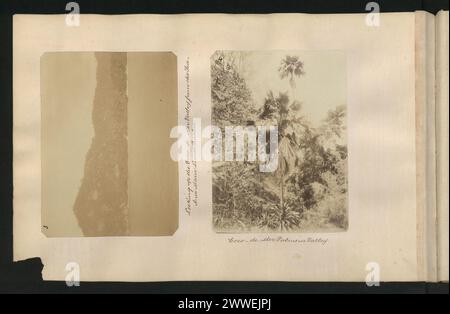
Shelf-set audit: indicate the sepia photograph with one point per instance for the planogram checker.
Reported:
(303, 95)
(105, 167)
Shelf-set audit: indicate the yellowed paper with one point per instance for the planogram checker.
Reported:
(442, 105)
(425, 145)
(380, 102)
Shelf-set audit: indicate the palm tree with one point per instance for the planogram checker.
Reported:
(291, 67)
(277, 108)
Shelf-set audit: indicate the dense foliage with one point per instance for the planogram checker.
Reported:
(309, 188)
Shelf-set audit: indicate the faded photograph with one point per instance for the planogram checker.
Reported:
(105, 124)
(303, 94)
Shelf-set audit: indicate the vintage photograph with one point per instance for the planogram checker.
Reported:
(160, 149)
(302, 94)
(105, 124)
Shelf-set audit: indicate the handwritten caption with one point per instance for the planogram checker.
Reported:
(282, 239)
(191, 196)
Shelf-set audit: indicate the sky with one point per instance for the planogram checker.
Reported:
(68, 85)
(321, 88)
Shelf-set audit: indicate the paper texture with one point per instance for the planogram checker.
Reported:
(259, 89)
(380, 102)
(425, 144)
